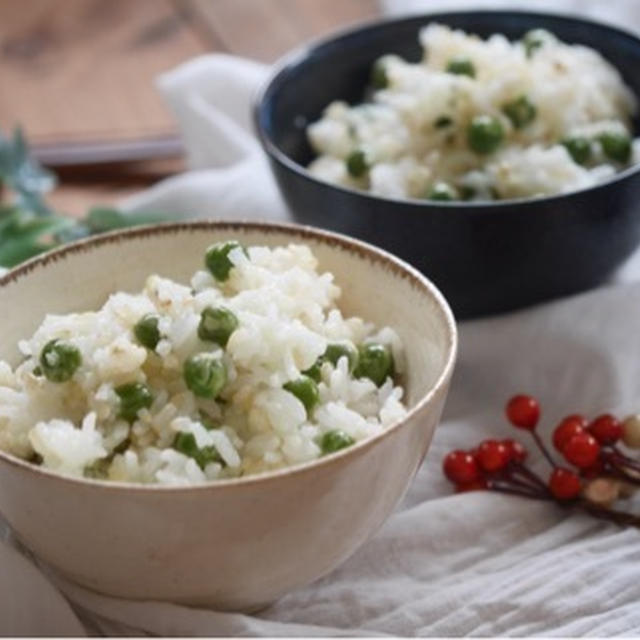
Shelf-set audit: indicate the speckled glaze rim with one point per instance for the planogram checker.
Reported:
(299, 54)
(363, 251)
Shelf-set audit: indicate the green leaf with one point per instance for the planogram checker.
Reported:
(6, 210)
(20, 147)
(17, 251)
(9, 222)
(6, 155)
(29, 178)
(24, 235)
(32, 202)
(77, 231)
(28, 226)
(22, 224)
(30, 174)
(101, 219)
(23, 174)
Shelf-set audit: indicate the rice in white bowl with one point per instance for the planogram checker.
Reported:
(411, 136)
(286, 317)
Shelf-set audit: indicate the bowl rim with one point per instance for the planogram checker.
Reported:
(303, 52)
(299, 232)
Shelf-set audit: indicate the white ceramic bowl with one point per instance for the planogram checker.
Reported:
(240, 543)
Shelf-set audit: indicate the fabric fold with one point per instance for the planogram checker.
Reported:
(228, 177)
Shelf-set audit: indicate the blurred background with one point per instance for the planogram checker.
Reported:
(78, 75)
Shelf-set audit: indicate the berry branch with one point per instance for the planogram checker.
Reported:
(603, 471)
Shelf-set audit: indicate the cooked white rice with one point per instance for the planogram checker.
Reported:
(287, 316)
(414, 132)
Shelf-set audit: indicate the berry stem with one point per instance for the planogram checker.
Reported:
(619, 471)
(612, 515)
(525, 471)
(623, 459)
(545, 451)
(509, 478)
(492, 485)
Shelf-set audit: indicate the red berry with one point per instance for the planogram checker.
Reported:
(568, 427)
(593, 471)
(517, 452)
(478, 485)
(564, 484)
(492, 456)
(606, 429)
(523, 411)
(582, 450)
(460, 467)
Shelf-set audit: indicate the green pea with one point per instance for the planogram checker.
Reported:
(579, 149)
(207, 421)
(217, 259)
(99, 470)
(123, 446)
(314, 371)
(332, 354)
(441, 191)
(146, 331)
(461, 66)
(216, 325)
(186, 443)
(335, 440)
(357, 164)
(616, 146)
(379, 77)
(134, 396)
(485, 134)
(442, 122)
(375, 362)
(208, 455)
(59, 360)
(533, 40)
(205, 374)
(520, 111)
(467, 192)
(306, 390)
(337, 350)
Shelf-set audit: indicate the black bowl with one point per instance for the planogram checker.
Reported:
(486, 258)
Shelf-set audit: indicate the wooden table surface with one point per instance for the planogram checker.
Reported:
(78, 76)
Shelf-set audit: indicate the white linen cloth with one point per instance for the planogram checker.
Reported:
(443, 564)
(622, 13)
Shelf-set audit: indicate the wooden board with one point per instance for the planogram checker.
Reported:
(266, 29)
(82, 70)
(78, 75)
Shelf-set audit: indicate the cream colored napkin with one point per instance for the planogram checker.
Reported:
(228, 176)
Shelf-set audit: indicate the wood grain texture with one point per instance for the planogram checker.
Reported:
(267, 29)
(83, 187)
(78, 75)
(84, 69)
